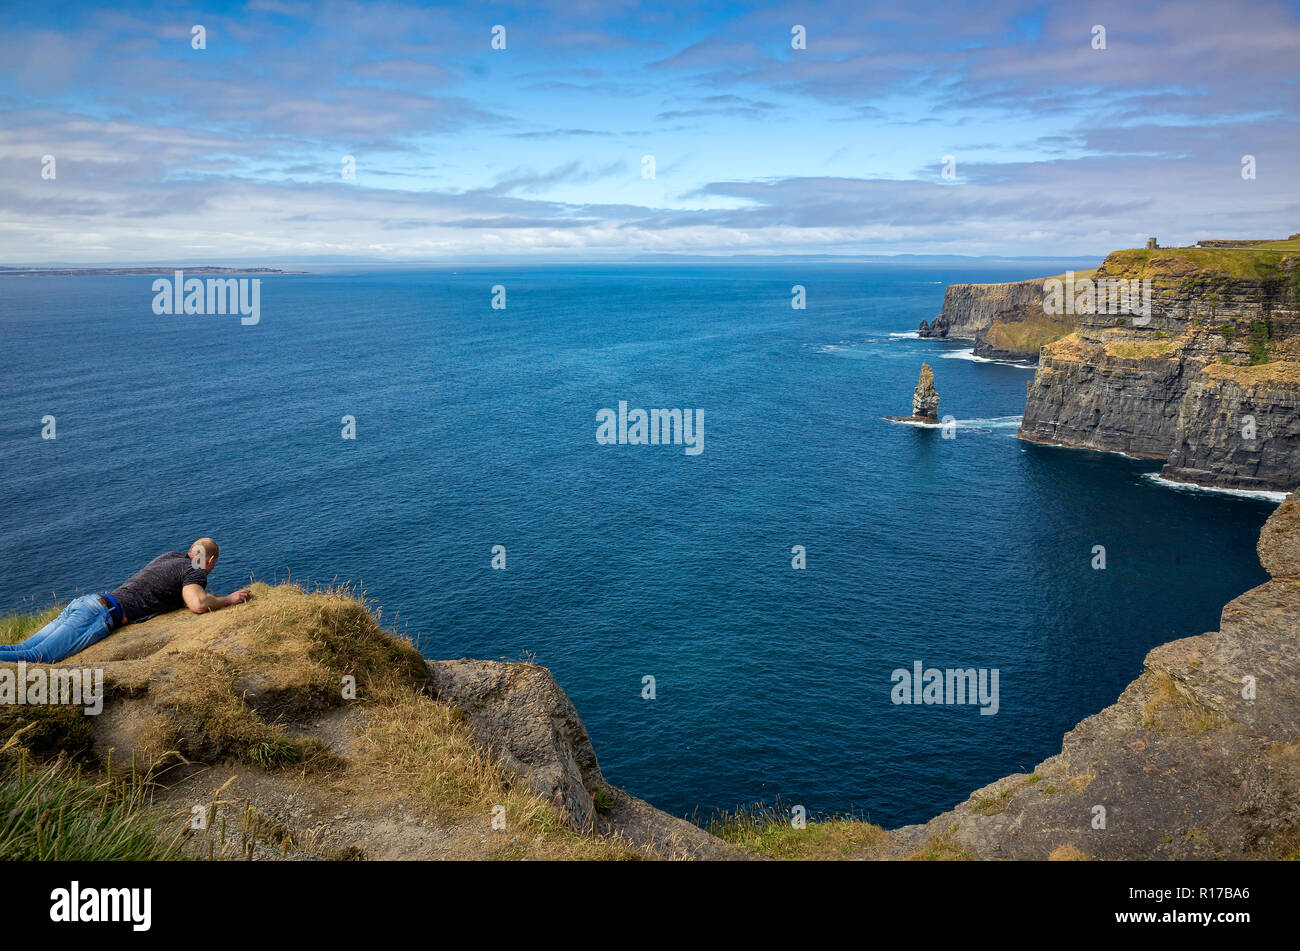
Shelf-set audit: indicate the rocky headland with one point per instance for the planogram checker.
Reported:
(1003, 321)
(1208, 381)
(1198, 368)
(301, 729)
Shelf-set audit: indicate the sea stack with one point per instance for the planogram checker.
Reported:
(925, 401)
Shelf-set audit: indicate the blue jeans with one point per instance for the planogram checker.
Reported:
(83, 622)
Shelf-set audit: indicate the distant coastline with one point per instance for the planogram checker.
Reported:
(139, 271)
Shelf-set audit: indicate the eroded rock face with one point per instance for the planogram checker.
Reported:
(1198, 759)
(522, 717)
(1237, 433)
(1208, 381)
(1082, 396)
(1279, 541)
(925, 400)
(969, 309)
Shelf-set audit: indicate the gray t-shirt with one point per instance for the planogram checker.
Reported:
(156, 588)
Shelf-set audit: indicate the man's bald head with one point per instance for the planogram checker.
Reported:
(203, 553)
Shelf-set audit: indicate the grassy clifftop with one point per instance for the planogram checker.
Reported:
(1258, 263)
(299, 726)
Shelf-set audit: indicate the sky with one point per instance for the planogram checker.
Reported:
(993, 128)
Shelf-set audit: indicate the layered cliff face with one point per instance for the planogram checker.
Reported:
(1118, 397)
(1004, 321)
(1207, 378)
(969, 309)
(1239, 427)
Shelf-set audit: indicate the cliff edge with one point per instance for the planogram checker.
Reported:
(296, 727)
(1003, 321)
(1198, 759)
(1205, 377)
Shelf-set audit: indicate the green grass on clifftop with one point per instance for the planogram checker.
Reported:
(1029, 335)
(1256, 263)
(53, 812)
(768, 831)
(23, 624)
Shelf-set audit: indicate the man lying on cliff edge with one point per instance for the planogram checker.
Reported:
(165, 584)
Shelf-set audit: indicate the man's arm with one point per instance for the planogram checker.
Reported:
(200, 602)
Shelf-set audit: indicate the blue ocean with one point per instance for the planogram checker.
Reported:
(476, 427)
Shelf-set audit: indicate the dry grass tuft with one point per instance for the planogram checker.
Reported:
(769, 831)
(1139, 349)
(1284, 375)
(423, 748)
(1067, 853)
(1171, 710)
(943, 848)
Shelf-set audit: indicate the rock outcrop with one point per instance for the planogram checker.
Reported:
(969, 309)
(528, 725)
(1208, 380)
(1004, 321)
(521, 716)
(311, 732)
(1198, 759)
(925, 400)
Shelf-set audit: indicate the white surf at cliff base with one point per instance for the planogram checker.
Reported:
(986, 424)
(969, 354)
(1190, 487)
(991, 422)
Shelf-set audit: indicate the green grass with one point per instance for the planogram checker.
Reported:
(49, 730)
(1029, 335)
(54, 813)
(768, 831)
(1256, 263)
(1139, 350)
(23, 624)
(943, 848)
(1260, 337)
